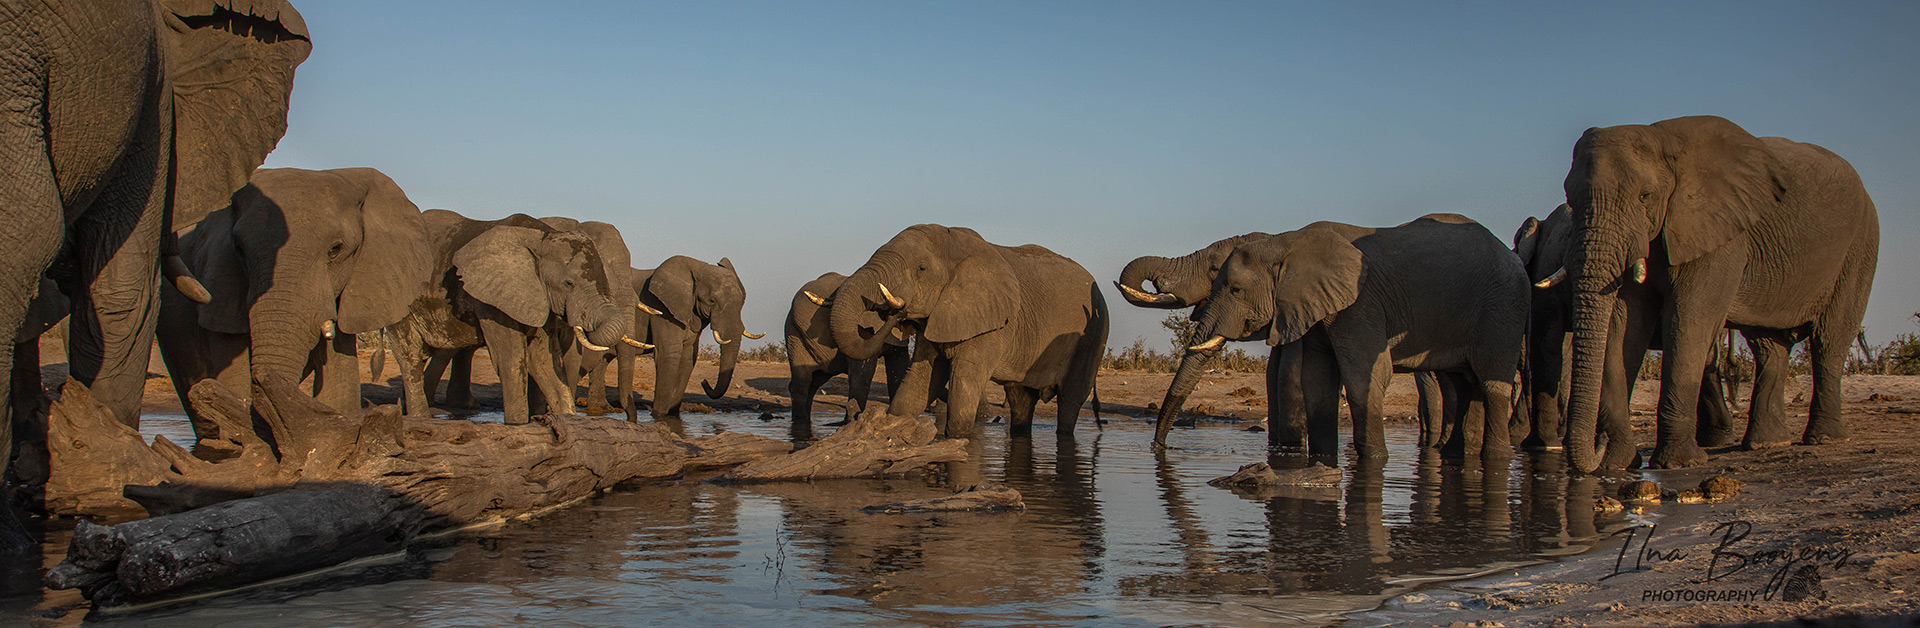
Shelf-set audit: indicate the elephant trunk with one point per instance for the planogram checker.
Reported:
(849, 303)
(1192, 364)
(284, 331)
(603, 321)
(729, 355)
(1151, 268)
(1597, 269)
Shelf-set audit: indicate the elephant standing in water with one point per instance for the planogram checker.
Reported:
(617, 260)
(1772, 237)
(1543, 247)
(677, 300)
(813, 358)
(1436, 294)
(299, 263)
(1023, 317)
(522, 288)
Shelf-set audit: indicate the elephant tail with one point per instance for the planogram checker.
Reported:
(1097, 421)
(377, 363)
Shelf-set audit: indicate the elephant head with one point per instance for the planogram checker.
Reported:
(1645, 198)
(1275, 288)
(1178, 282)
(947, 283)
(614, 254)
(534, 276)
(301, 255)
(1543, 246)
(695, 295)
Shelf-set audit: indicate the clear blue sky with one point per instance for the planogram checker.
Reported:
(795, 137)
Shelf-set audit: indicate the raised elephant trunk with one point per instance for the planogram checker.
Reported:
(849, 303)
(1133, 280)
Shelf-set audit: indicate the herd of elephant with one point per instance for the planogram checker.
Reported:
(132, 207)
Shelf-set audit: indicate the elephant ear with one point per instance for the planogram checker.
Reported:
(1527, 240)
(982, 296)
(499, 269)
(1724, 181)
(209, 252)
(230, 67)
(391, 267)
(1318, 277)
(671, 290)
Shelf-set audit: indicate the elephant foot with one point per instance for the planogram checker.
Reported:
(1825, 434)
(600, 409)
(1678, 456)
(1755, 445)
(1824, 439)
(1719, 438)
(513, 420)
(464, 403)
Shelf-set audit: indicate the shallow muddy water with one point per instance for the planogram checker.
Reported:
(1113, 534)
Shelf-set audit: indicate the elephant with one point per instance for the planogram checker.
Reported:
(1439, 293)
(678, 299)
(1023, 317)
(617, 260)
(1543, 245)
(1772, 237)
(813, 358)
(516, 285)
(298, 264)
(127, 119)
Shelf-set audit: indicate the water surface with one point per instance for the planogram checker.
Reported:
(1114, 534)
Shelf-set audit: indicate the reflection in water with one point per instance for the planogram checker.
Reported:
(1115, 532)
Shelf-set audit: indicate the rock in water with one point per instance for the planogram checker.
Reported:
(976, 498)
(1261, 474)
(1640, 491)
(1720, 487)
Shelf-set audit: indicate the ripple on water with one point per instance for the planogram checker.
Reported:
(1115, 533)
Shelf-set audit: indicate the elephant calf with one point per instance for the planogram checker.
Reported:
(1023, 317)
(1437, 294)
(813, 358)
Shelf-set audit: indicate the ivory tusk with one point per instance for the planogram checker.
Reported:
(892, 301)
(752, 336)
(1136, 295)
(1210, 344)
(643, 307)
(326, 329)
(636, 344)
(1640, 270)
(176, 271)
(816, 298)
(580, 335)
(1553, 279)
(717, 338)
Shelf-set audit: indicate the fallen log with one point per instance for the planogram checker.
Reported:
(332, 488)
(875, 444)
(977, 498)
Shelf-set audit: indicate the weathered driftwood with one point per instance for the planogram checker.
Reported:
(331, 487)
(1260, 474)
(876, 444)
(979, 497)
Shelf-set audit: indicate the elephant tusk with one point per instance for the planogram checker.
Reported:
(816, 299)
(892, 301)
(643, 307)
(1640, 270)
(752, 336)
(176, 271)
(1210, 344)
(580, 335)
(718, 339)
(1135, 294)
(326, 329)
(1553, 279)
(636, 344)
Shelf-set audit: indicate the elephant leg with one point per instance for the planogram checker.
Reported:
(597, 384)
(1496, 398)
(409, 355)
(673, 355)
(1286, 409)
(897, 360)
(339, 376)
(1083, 373)
(1625, 351)
(1466, 409)
(1767, 409)
(966, 385)
(572, 363)
(859, 385)
(1715, 416)
(625, 356)
(1320, 395)
(1828, 354)
(1364, 371)
(508, 347)
(1432, 409)
(436, 367)
(1692, 323)
(1020, 403)
(460, 382)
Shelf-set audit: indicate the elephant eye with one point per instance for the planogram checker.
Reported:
(1646, 194)
(335, 251)
(568, 283)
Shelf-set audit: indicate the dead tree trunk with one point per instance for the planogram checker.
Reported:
(331, 488)
(875, 444)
